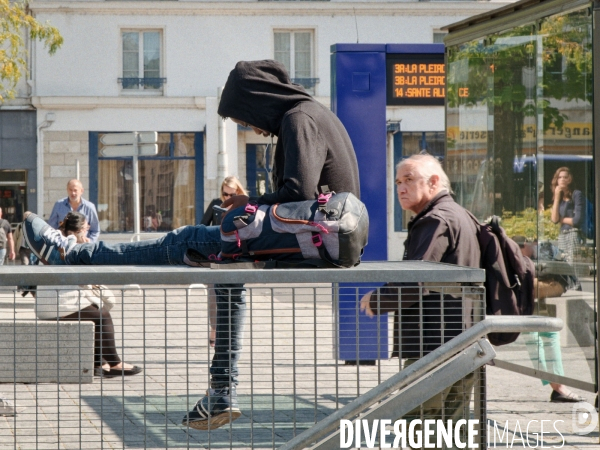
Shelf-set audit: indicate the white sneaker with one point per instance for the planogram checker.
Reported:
(8, 408)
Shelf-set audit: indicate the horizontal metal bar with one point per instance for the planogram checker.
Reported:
(491, 324)
(436, 381)
(509, 17)
(376, 272)
(553, 378)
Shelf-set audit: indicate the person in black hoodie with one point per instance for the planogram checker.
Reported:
(313, 150)
(313, 147)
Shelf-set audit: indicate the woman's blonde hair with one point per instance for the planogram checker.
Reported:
(232, 182)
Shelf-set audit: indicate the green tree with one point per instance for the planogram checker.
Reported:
(15, 21)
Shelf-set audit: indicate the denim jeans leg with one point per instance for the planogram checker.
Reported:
(2, 256)
(231, 312)
(167, 250)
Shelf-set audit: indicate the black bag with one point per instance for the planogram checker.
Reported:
(508, 276)
(331, 231)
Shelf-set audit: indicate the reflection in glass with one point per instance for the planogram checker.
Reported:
(519, 108)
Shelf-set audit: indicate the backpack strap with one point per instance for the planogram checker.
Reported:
(323, 253)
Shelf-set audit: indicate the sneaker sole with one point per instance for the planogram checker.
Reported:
(217, 421)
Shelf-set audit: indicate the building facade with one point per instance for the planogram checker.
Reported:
(157, 66)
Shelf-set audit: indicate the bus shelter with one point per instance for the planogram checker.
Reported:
(520, 118)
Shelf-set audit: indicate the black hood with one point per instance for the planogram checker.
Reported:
(260, 93)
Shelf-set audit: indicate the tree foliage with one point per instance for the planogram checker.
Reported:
(15, 21)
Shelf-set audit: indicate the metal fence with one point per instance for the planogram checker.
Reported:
(291, 376)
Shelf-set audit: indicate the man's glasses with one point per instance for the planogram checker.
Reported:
(225, 194)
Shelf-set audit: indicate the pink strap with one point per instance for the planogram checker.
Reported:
(319, 226)
(324, 198)
(317, 240)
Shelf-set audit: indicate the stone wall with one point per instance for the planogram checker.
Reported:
(62, 149)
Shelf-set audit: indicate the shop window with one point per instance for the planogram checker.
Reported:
(168, 185)
(13, 195)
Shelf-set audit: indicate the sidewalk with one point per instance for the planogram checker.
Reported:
(513, 397)
(288, 381)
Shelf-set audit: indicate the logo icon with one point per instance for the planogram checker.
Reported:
(584, 417)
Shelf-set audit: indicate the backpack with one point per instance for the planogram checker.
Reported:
(3, 237)
(328, 232)
(508, 276)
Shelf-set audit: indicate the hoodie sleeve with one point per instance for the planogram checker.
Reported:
(304, 156)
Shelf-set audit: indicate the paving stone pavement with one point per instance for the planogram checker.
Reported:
(288, 381)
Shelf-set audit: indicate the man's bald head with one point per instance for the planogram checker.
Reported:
(74, 190)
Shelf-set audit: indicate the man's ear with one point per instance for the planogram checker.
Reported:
(434, 181)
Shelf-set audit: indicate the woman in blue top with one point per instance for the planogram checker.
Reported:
(567, 210)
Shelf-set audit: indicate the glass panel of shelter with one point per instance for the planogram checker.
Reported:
(519, 115)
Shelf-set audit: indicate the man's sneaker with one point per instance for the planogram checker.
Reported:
(8, 408)
(48, 244)
(217, 408)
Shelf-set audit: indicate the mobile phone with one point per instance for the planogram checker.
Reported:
(219, 209)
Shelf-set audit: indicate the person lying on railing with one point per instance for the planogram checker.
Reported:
(91, 303)
(313, 150)
(440, 231)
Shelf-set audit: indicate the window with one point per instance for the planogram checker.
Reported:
(294, 49)
(259, 166)
(167, 185)
(141, 61)
(438, 37)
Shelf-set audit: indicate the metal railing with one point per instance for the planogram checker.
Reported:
(289, 377)
(443, 367)
(147, 83)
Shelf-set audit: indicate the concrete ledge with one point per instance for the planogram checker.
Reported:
(37, 351)
(577, 310)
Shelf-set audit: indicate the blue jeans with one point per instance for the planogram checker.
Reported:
(2, 256)
(167, 250)
(170, 250)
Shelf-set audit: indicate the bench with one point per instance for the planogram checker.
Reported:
(42, 351)
(39, 351)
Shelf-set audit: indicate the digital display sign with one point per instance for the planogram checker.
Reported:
(416, 79)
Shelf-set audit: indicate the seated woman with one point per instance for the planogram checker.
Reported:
(90, 303)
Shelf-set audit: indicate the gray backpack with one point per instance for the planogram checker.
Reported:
(328, 232)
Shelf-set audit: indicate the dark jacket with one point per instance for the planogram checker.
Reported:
(212, 217)
(313, 148)
(442, 232)
(572, 208)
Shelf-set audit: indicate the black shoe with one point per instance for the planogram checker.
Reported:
(571, 397)
(217, 408)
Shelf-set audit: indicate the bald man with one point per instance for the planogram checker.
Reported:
(75, 202)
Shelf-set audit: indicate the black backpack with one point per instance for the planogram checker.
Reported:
(508, 276)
